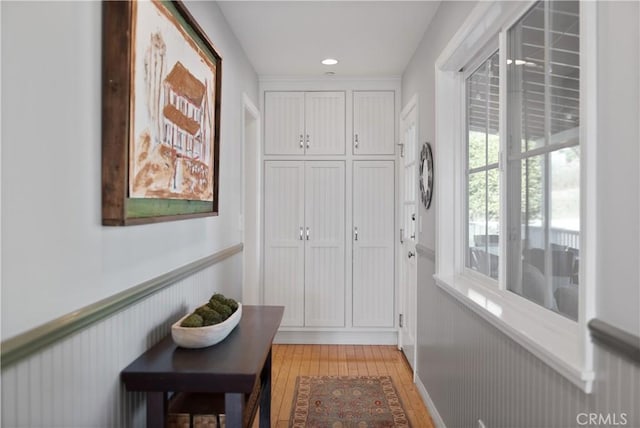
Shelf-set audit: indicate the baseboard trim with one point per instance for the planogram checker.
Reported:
(433, 411)
(30, 342)
(337, 337)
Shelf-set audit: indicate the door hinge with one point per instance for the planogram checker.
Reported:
(400, 320)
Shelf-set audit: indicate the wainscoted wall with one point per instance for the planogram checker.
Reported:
(473, 371)
(56, 256)
(470, 369)
(76, 382)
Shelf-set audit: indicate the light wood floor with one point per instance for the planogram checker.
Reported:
(290, 361)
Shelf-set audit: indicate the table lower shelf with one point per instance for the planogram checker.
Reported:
(199, 410)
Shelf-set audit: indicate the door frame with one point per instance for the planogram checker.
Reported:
(410, 108)
(251, 191)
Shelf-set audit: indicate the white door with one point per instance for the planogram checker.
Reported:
(373, 255)
(324, 293)
(373, 123)
(284, 239)
(325, 123)
(284, 123)
(408, 235)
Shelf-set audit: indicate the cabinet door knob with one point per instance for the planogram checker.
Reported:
(356, 142)
(307, 233)
(411, 254)
(301, 141)
(301, 233)
(307, 141)
(355, 233)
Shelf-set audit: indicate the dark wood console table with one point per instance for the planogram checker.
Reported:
(233, 368)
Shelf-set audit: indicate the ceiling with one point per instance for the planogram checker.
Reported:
(290, 38)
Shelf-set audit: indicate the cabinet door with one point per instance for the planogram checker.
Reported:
(325, 123)
(324, 253)
(373, 123)
(373, 256)
(284, 234)
(284, 123)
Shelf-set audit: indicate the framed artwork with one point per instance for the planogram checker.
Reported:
(160, 114)
(426, 175)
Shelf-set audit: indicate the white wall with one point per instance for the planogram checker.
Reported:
(56, 256)
(419, 78)
(470, 369)
(618, 155)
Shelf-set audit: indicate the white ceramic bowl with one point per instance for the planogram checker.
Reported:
(200, 337)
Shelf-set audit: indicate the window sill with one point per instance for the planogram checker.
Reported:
(555, 340)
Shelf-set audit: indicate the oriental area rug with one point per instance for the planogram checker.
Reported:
(346, 402)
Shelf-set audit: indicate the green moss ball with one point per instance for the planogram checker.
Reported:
(232, 304)
(209, 316)
(193, 320)
(219, 297)
(221, 308)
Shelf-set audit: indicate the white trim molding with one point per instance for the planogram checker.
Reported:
(347, 336)
(561, 343)
(431, 406)
(252, 267)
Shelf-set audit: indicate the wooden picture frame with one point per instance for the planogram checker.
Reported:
(160, 115)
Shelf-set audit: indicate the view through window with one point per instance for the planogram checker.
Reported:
(543, 168)
(483, 148)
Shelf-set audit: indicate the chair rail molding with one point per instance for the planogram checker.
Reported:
(425, 251)
(618, 340)
(30, 342)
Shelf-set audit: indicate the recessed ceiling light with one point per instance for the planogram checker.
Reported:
(329, 61)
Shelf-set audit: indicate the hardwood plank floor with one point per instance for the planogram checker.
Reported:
(291, 361)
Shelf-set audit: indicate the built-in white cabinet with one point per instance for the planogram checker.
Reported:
(284, 123)
(304, 250)
(284, 239)
(304, 123)
(329, 211)
(373, 123)
(373, 243)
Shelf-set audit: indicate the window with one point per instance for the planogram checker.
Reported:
(483, 148)
(516, 124)
(543, 165)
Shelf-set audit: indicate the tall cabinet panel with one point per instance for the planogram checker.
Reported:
(325, 244)
(318, 194)
(325, 123)
(284, 123)
(373, 123)
(284, 243)
(373, 255)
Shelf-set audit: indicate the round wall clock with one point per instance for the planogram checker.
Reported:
(426, 175)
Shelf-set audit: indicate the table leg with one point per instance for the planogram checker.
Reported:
(233, 408)
(156, 409)
(265, 394)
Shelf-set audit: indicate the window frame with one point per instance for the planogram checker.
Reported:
(478, 61)
(561, 343)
